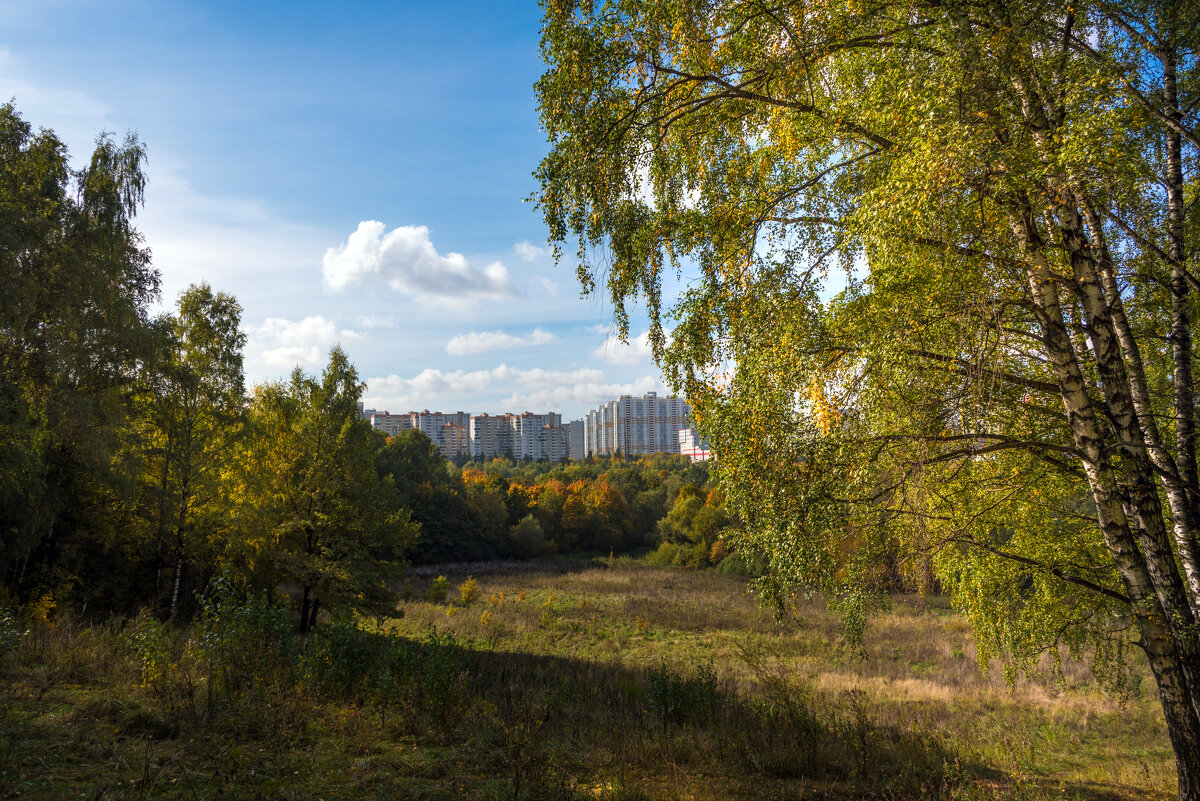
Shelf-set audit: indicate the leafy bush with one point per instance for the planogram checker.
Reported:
(438, 589)
(245, 638)
(739, 563)
(341, 659)
(670, 554)
(674, 698)
(150, 641)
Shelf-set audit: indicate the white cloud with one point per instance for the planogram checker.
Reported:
(406, 260)
(236, 244)
(583, 388)
(425, 389)
(518, 389)
(377, 321)
(549, 286)
(614, 351)
(282, 343)
(529, 251)
(483, 341)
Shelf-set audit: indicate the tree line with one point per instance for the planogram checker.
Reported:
(136, 466)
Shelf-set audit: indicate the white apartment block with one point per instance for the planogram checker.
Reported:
(484, 436)
(636, 426)
(449, 431)
(692, 446)
(518, 436)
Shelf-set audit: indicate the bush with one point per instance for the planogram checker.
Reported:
(739, 563)
(468, 590)
(526, 539)
(245, 638)
(670, 554)
(674, 698)
(340, 659)
(438, 589)
(150, 641)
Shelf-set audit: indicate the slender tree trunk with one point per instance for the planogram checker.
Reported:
(1181, 335)
(177, 582)
(304, 611)
(161, 534)
(316, 606)
(1184, 511)
(180, 540)
(1167, 651)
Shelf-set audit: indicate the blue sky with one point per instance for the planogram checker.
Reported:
(355, 173)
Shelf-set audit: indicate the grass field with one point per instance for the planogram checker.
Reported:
(607, 679)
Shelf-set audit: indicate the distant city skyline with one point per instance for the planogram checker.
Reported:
(634, 425)
(354, 175)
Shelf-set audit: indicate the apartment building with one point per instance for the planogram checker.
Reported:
(486, 436)
(575, 439)
(518, 436)
(636, 425)
(692, 446)
(449, 431)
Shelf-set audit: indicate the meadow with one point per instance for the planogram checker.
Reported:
(561, 679)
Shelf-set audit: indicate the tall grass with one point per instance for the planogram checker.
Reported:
(559, 693)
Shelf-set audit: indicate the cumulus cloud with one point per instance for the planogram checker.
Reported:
(529, 251)
(519, 389)
(282, 343)
(483, 341)
(406, 260)
(425, 388)
(614, 351)
(587, 391)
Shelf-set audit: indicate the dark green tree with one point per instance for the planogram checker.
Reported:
(191, 415)
(324, 518)
(73, 331)
(432, 490)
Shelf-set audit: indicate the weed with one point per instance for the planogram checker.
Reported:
(468, 590)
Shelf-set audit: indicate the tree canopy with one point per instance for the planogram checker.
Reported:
(942, 282)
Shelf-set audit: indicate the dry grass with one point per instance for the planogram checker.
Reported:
(579, 680)
(917, 667)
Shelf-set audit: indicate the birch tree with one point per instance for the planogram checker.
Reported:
(941, 288)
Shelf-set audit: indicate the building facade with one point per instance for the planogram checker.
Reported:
(692, 446)
(575, 439)
(449, 431)
(636, 425)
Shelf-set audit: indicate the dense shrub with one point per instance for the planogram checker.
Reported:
(245, 638)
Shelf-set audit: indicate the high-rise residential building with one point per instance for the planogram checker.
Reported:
(517, 436)
(552, 443)
(490, 436)
(575, 440)
(447, 430)
(692, 446)
(483, 436)
(636, 426)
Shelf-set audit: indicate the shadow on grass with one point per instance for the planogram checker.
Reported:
(352, 713)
